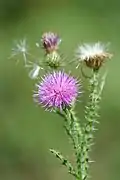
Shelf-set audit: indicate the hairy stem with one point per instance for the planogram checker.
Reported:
(65, 162)
(73, 129)
(91, 115)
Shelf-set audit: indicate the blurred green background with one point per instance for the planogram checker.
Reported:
(26, 130)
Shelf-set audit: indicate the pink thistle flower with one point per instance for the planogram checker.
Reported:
(50, 41)
(57, 90)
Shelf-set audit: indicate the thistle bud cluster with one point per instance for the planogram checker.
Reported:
(50, 43)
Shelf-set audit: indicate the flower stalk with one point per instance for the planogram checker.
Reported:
(91, 116)
(74, 132)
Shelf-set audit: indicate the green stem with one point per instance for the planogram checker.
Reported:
(91, 115)
(74, 131)
(65, 162)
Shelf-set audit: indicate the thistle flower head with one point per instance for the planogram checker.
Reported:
(50, 41)
(93, 54)
(57, 90)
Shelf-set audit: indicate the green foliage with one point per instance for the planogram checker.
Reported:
(64, 162)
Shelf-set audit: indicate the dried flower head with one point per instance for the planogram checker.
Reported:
(93, 54)
(50, 41)
(57, 90)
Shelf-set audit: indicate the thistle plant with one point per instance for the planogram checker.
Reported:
(58, 92)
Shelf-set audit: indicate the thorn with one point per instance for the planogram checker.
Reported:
(91, 161)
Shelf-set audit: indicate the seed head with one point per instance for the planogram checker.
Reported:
(93, 55)
(57, 90)
(20, 48)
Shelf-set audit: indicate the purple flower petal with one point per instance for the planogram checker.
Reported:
(57, 89)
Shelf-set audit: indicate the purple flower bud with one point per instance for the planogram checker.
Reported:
(50, 42)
